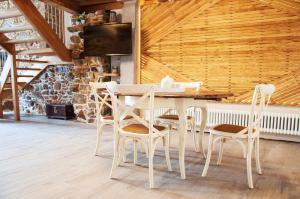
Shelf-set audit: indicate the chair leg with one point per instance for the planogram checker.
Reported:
(201, 139)
(249, 165)
(258, 166)
(121, 155)
(145, 148)
(167, 151)
(135, 154)
(196, 137)
(151, 154)
(209, 150)
(116, 155)
(169, 134)
(220, 151)
(99, 137)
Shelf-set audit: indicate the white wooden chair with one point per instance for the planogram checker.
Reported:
(173, 120)
(142, 130)
(101, 100)
(250, 134)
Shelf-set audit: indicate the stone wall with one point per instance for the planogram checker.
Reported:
(54, 86)
(62, 85)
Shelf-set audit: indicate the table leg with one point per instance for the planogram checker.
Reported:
(181, 110)
(202, 127)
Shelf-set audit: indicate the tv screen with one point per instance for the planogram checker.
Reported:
(108, 39)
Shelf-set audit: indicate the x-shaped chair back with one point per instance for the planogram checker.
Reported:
(144, 102)
(101, 98)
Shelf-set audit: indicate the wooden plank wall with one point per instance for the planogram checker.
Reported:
(230, 45)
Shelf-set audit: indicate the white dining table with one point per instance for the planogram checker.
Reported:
(181, 101)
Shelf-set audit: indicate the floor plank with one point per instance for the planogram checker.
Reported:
(41, 158)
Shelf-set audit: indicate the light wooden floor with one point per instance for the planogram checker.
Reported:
(41, 159)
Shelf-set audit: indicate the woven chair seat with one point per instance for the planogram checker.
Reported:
(172, 117)
(229, 128)
(141, 129)
(110, 117)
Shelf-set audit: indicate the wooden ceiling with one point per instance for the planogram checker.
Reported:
(79, 6)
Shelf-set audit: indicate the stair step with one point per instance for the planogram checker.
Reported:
(16, 29)
(19, 83)
(10, 13)
(38, 52)
(35, 69)
(32, 61)
(26, 76)
(9, 85)
(23, 41)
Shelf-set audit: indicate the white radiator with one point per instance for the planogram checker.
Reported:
(272, 122)
(278, 120)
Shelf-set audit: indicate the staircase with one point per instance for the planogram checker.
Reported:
(27, 58)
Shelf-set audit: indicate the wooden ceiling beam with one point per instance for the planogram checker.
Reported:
(104, 6)
(70, 6)
(34, 17)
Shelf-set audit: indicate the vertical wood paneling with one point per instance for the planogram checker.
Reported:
(230, 45)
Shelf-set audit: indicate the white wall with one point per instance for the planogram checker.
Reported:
(127, 66)
(68, 23)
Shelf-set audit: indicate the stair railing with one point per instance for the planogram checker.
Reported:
(56, 19)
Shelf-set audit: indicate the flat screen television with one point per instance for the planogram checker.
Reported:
(108, 39)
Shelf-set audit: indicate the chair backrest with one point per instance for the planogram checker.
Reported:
(145, 102)
(195, 85)
(260, 100)
(101, 98)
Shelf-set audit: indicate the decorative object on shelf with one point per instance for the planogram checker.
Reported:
(80, 19)
(89, 69)
(166, 82)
